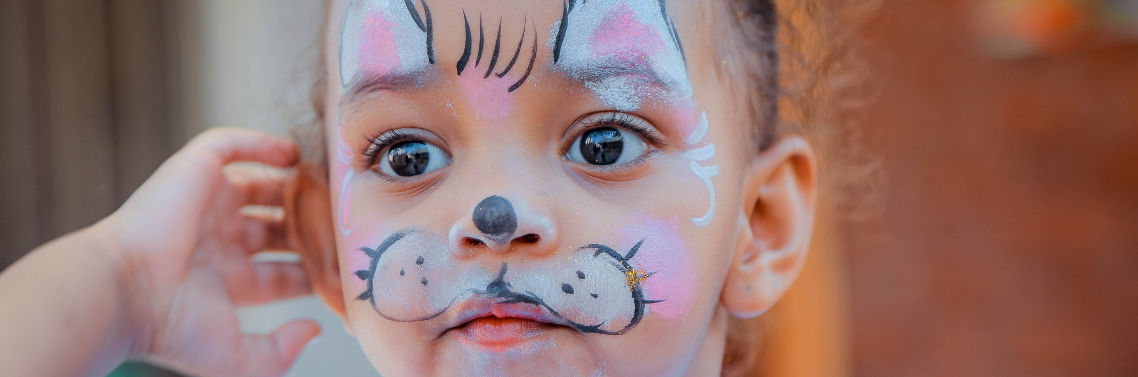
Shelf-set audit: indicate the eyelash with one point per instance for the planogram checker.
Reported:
(628, 122)
(385, 140)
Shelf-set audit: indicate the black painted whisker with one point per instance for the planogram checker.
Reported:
(516, 51)
(565, 7)
(430, 34)
(532, 58)
(497, 46)
(415, 14)
(481, 38)
(466, 50)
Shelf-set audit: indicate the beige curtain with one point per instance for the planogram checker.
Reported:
(86, 111)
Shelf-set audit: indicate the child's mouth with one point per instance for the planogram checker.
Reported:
(500, 334)
(499, 327)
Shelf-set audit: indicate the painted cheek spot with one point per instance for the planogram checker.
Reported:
(665, 255)
(377, 52)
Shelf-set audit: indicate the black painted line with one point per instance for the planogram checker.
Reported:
(481, 38)
(532, 58)
(415, 14)
(516, 51)
(430, 34)
(494, 56)
(466, 50)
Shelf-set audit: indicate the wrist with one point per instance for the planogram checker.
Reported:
(103, 241)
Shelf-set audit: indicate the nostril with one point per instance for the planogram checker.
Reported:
(472, 242)
(529, 238)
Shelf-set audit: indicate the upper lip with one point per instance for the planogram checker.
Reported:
(486, 306)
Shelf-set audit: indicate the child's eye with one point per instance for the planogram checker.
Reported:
(411, 158)
(609, 141)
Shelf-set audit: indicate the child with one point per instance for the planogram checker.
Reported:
(580, 188)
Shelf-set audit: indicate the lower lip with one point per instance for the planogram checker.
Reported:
(500, 334)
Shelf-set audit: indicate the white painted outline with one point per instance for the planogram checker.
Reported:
(703, 172)
(340, 216)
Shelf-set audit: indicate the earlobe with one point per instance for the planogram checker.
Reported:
(308, 212)
(775, 225)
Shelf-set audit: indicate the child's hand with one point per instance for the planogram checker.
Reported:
(185, 251)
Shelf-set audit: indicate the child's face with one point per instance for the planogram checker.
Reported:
(524, 188)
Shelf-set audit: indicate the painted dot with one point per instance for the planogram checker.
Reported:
(594, 295)
(419, 261)
(424, 281)
(567, 288)
(401, 273)
(580, 275)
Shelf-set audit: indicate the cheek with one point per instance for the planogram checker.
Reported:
(666, 256)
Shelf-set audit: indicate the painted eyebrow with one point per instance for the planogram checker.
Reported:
(365, 84)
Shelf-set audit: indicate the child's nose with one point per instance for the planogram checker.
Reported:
(496, 224)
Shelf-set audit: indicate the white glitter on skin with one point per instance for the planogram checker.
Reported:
(624, 34)
(380, 37)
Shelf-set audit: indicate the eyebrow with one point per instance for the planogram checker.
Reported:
(365, 84)
(614, 67)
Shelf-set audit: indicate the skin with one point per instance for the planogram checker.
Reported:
(161, 277)
(738, 264)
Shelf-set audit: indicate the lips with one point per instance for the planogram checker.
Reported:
(483, 322)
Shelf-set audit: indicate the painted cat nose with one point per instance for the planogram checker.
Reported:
(495, 218)
(496, 224)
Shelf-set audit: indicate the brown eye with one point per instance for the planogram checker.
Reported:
(412, 158)
(601, 146)
(607, 146)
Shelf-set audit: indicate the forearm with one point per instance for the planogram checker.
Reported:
(63, 310)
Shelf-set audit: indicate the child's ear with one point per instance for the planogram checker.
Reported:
(308, 211)
(774, 227)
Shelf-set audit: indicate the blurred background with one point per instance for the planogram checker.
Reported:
(1002, 241)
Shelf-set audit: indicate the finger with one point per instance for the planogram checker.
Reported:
(268, 282)
(258, 184)
(264, 234)
(273, 354)
(237, 144)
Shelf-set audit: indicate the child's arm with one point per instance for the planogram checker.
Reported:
(161, 277)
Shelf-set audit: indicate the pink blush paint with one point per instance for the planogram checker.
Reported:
(665, 255)
(489, 98)
(377, 52)
(622, 34)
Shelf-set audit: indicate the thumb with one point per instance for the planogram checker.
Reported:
(273, 354)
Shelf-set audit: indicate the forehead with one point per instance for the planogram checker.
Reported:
(618, 45)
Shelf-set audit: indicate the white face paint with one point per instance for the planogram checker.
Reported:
(383, 37)
(703, 172)
(634, 39)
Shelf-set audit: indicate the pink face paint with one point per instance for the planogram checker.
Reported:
(625, 37)
(489, 98)
(381, 37)
(623, 52)
(375, 53)
(664, 254)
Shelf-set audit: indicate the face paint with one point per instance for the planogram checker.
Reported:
(625, 52)
(667, 256)
(704, 173)
(489, 97)
(596, 289)
(385, 37)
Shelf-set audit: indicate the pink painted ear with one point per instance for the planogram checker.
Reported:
(665, 256)
(621, 33)
(377, 51)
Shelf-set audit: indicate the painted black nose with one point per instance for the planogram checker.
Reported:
(495, 217)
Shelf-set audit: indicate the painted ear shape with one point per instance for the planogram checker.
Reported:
(495, 217)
